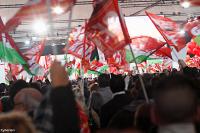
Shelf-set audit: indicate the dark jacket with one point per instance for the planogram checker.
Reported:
(109, 109)
(58, 113)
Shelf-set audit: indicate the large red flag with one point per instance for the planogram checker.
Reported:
(170, 31)
(106, 27)
(37, 8)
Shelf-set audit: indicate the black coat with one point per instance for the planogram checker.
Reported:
(109, 109)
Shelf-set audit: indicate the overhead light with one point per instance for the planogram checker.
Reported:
(34, 38)
(182, 32)
(185, 4)
(27, 42)
(40, 27)
(58, 10)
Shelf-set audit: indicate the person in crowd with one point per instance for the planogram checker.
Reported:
(27, 100)
(15, 122)
(5, 104)
(102, 95)
(15, 87)
(119, 100)
(175, 107)
(58, 112)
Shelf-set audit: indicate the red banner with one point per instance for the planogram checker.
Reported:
(37, 8)
(106, 27)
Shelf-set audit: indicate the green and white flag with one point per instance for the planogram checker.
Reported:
(8, 52)
(140, 56)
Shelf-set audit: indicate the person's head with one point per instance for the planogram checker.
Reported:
(16, 122)
(3, 89)
(104, 80)
(27, 100)
(16, 87)
(6, 104)
(117, 83)
(176, 99)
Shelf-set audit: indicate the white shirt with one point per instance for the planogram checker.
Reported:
(177, 128)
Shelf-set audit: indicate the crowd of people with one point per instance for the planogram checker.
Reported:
(108, 104)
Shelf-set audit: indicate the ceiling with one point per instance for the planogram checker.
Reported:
(82, 11)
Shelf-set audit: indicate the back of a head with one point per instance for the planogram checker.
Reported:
(117, 83)
(103, 80)
(16, 122)
(29, 98)
(176, 99)
(16, 87)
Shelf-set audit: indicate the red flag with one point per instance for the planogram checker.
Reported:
(79, 46)
(37, 8)
(170, 31)
(149, 44)
(118, 59)
(33, 57)
(191, 2)
(193, 27)
(106, 27)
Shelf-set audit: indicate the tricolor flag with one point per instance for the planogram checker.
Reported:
(106, 27)
(145, 47)
(34, 9)
(8, 50)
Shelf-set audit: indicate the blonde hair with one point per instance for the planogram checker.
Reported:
(16, 122)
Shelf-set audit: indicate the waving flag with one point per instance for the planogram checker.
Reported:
(145, 47)
(37, 8)
(106, 27)
(79, 46)
(193, 29)
(8, 50)
(170, 31)
(33, 55)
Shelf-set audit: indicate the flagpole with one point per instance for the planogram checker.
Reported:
(83, 60)
(48, 3)
(69, 27)
(128, 41)
(163, 35)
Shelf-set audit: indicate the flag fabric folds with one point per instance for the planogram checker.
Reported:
(170, 31)
(106, 27)
(9, 52)
(35, 9)
(79, 46)
(32, 57)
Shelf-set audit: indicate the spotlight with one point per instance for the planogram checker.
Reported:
(182, 32)
(40, 27)
(27, 42)
(58, 10)
(185, 4)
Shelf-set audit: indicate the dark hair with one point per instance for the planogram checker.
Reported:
(173, 81)
(104, 80)
(16, 87)
(117, 83)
